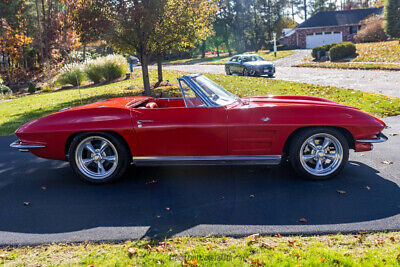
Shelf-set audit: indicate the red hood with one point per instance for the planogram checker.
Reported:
(290, 99)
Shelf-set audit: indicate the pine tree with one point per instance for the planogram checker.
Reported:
(392, 18)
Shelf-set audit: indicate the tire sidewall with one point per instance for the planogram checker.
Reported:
(301, 137)
(122, 150)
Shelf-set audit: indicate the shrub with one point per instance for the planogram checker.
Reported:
(94, 71)
(108, 68)
(342, 50)
(321, 50)
(31, 87)
(5, 89)
(371, 31)
(72, 74)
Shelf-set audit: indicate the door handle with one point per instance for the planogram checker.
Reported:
(143, 121)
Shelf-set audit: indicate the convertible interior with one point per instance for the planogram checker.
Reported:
(155, 103)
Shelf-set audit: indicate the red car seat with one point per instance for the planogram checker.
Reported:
(151, 105)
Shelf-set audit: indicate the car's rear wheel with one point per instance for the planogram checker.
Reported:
(98, 157)
(319, 153)
(228, 70)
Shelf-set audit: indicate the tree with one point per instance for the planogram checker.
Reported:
(392, 18)
(371, 31)
(181, 25)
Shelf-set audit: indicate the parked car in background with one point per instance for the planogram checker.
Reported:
(249, 65)
(207, 126)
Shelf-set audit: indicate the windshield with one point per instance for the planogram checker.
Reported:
(214, 91)
(252, 58)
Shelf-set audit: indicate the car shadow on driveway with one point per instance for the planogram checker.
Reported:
(170, 200)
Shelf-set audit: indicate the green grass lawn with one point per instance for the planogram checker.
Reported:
(267, 55)
(370, 56)
(381, 249)
(18, 111)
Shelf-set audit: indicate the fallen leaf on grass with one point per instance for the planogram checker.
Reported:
(27, 203)
(267, 246)
(297, 255)
(152, 182)
(398, 257)
(291, 243)
(279, 235)
(190, 263)
(3, 256)
(322, 259)
(210, 247)
(387, 162)
(379, 242)
(253, 237)
(303, 220)
(341, 191)
(258, 263)
(393, 134)
(132, 251)
(148, 246)
(392, 239)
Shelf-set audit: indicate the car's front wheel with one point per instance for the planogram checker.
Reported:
(228, 70)
(319, 153)
(98, 157)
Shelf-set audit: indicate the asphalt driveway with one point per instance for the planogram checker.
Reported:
(383, 82)
(41, 201)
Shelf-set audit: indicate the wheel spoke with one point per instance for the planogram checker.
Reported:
(312, 144)
(90, 147)
(326, 143)
(319, 166)
(103, 146)
(100, 168)
(308, 157)
(110, 158)
(87, 161)
(330, 156)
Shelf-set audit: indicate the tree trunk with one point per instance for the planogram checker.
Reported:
(46, 41)
(40, 30)
(145, 73)
(159, 68)
(84, 51)
(5, 55)
(217, 51)
(203, 49)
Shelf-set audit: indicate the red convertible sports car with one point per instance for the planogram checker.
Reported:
(208, 125)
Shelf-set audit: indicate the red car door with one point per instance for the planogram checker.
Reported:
(181, 131)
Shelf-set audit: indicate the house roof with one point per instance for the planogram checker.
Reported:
(339, 18)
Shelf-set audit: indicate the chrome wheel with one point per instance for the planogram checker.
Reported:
(245, 72)
(321, 154)
(96, 157)
(253, 73)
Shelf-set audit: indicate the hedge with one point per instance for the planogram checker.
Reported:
(342, 50)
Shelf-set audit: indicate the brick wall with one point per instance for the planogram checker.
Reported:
(300, 35)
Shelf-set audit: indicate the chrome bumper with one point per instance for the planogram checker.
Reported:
(24, 148)
(380, 138)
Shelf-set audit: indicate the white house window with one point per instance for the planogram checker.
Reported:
(328, 32)
(318, 33)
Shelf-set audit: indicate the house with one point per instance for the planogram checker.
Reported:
(327, 27)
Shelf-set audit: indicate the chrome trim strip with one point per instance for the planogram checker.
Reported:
(24, 148)
(208, 160)
(381, 138)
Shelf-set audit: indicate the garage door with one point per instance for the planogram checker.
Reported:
(322, 38)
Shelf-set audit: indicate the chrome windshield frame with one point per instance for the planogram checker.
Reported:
(198, 91)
